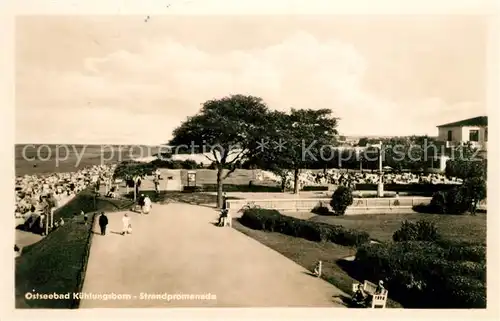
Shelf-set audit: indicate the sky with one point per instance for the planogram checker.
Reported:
(132, 80)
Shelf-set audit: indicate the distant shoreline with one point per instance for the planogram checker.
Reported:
(45, 159)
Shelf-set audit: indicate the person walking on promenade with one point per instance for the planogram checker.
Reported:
(140, 202)
(224, 201)
(146, 206)
(157, 184)
(103, 222)
(127, 226)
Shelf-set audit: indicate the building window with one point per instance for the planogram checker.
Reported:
(450, 135)
(474, 135)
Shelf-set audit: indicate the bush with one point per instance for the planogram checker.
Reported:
(189, 164)
(438, 203)
(273, 221)
(457, 251)
(321, 209)
(421, 274)
(192, 189)
(419, 231)
(341, 199)
(459, 200)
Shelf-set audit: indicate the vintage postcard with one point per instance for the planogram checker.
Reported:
(275, 160)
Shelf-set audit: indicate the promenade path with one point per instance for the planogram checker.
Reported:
(176, 249)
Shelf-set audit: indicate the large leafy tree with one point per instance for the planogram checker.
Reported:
(227, 130)
(297, 139)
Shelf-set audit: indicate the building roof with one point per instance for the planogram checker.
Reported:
(476, 121)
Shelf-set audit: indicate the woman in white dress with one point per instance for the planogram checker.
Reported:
(127, 226)
(147, 205)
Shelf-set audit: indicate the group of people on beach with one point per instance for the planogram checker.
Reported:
(35, 192)
(342, 177)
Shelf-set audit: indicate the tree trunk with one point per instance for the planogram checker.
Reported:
(283, 183)
(296, 181)
(220, 171)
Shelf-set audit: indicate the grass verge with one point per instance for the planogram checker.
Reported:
(308, 253)
(56, 264)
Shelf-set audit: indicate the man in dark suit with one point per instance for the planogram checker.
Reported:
(103, 222)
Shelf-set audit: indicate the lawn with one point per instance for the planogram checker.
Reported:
(308, 253)
(55, 264)
(381, 227)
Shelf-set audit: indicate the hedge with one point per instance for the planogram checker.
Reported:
(273, 221)
(242, 188)
(426, 274)
(315, 188)
(57, 263)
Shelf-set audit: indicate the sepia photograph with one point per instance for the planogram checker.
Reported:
(250, 161)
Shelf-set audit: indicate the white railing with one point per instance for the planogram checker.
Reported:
(307, 204)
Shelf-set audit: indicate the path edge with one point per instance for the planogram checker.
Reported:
(85, 260)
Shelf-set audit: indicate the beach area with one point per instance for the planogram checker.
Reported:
(44, 159)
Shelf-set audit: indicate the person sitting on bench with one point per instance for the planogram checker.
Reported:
(360, 296)
(222, 217)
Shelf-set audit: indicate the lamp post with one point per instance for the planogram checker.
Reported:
(380, 187)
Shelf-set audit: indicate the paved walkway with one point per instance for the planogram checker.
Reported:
(177, 250)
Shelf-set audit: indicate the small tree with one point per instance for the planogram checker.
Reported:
(131, 171)
(341, 199)
(475, 189)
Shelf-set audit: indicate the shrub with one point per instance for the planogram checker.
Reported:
(456, 251)
(273, 221)
(438, 203)
(321, 209)
(457, 200)
(189, 164)
(419, 231)
(341, 199)
(420, 274)
(192, 189)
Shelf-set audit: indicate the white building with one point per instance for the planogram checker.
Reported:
(473, 130)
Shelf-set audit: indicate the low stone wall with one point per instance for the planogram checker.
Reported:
(359, 206)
